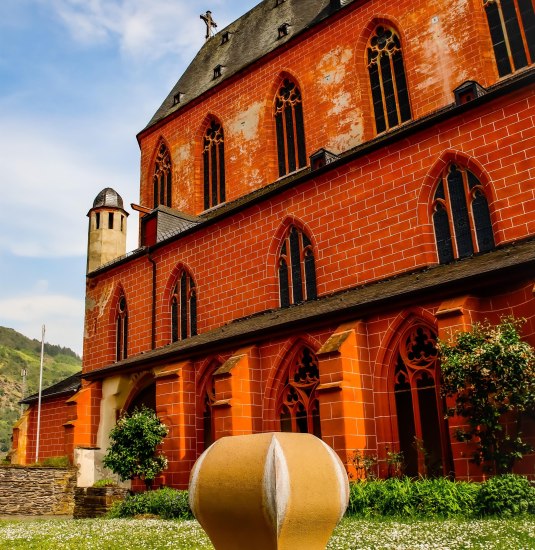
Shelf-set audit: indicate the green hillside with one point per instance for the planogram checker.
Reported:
(18, 352)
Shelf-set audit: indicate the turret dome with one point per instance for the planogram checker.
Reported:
(110, 198)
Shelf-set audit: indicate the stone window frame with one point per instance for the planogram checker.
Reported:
(183, 307)
(121, 329)
(162, 177)
(213, 164)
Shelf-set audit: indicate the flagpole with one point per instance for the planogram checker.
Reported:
(40, 390)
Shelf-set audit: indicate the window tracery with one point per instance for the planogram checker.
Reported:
(387, 79)
(214, 165)
(297, 269)
(419, 406)
(183, 308)
(290, 128)
(461, 215)
(512, 31)
(162, 177)
(298, 405)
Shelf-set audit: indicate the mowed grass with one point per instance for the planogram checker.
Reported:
(351, 534)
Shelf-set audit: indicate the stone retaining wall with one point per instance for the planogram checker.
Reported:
(93, 502)
(36, 490)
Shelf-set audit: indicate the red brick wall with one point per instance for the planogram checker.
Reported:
(328, 63)
(367, 221)
(55, 440)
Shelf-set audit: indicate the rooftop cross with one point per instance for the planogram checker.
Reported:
(210, 24)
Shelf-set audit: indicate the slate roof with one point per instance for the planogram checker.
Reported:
(66, 386)
(108, 197)
(172, 222)
(251, 37)
(514, 261)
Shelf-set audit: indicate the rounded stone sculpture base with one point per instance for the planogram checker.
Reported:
(271, 491)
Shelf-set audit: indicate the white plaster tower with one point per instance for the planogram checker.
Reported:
(107, 229)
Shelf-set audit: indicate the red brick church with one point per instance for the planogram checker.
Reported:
(329, 187)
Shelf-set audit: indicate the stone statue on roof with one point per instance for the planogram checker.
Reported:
(210, 24)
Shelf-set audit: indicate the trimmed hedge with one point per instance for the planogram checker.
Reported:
(166, 503)
(441, 498)
(505, 495)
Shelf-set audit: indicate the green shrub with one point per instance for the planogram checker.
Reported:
(106, 482)
(166, 503)
(506, 495)
(407, 498)
(55, 462)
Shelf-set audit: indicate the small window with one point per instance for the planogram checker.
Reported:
(214, 165)
(110, 220)
(218, 71)
(97, 220)
(461, 216)
(121, 336)
(122, 223)
(225, 37)
(297, 270)
(283, 30)
(512, 31)
(290, 128)
(387, 80)
(183, 308)
(162, 177)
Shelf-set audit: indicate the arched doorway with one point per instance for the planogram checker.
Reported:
(422, 430)
(145, 398)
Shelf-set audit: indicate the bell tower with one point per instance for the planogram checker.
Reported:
(107, 229)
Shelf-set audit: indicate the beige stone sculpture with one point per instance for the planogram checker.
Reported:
(271, 491)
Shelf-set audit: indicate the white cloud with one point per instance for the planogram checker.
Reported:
(148, 29)
(62, 316)
(48, 187)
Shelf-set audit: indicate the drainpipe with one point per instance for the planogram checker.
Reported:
(153, 322)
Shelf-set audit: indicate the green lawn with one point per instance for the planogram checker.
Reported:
(147, 534)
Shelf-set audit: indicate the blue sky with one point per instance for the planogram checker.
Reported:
(78, 80)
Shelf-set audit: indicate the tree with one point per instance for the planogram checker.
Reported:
(490, 373)
(132, 452)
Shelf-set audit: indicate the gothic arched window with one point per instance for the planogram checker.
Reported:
(214, 165)
(419, 406)
(512, 31)
(163, 175)
(461, 215)
(297, 269)
(183, 307)
(387, 79)
(121, 332)
(290, 128)
(298, 406)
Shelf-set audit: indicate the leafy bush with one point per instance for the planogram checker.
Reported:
(506, 495)
(134, 440)
(490, 373)
(166, 503)
(403, 497)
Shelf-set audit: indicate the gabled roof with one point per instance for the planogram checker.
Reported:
(66, 386)
(250, 37)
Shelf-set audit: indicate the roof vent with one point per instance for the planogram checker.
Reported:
(225, 37)
(468, 91)
(279, 2)
(177, 98)
(321, 158)
(283, 30)
(218, 71)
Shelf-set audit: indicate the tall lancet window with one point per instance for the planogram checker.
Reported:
(184, 307)
(290, 128)
(387, 79)
(461, 215)
(512, 31)
(121, 330)
(163, 175)
(297, 269)
(214, 165)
